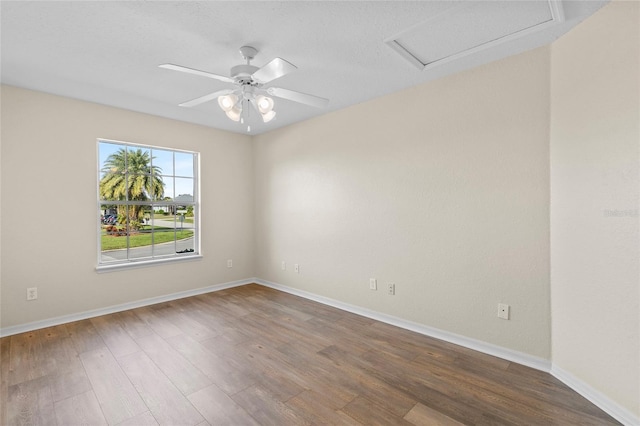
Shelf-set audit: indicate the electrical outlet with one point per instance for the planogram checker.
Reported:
(296, 268)
(230, 263)
(32, 293)
(391, 289)
(503, 311)
(373, 284)
(284, 265)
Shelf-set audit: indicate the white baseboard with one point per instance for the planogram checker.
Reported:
(8, 331)
(616, 411)
(484, 347)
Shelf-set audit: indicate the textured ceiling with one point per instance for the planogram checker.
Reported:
(109, 52)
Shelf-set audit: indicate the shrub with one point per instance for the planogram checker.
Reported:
(115, 231)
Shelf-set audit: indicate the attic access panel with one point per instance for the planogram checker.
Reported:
(477, 25)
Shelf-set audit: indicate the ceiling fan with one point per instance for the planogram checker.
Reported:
(250, 81)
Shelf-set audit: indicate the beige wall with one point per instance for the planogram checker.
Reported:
(442, 189)
(595, 138)
(49, 199)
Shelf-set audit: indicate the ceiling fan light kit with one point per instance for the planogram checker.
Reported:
(227, 102)
(265, 104)
(234, 113)
(268, 116)
(249, 81)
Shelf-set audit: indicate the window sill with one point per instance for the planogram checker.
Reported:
(145, 263)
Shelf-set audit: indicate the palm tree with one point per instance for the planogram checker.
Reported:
(129, 176)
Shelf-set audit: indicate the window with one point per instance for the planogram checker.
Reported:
(148, 205)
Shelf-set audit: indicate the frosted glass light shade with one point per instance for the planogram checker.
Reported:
(227, 102)
(265, 104)
(234, 113)
(268, 116)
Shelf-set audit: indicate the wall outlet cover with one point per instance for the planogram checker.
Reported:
(503, 311)
(32, 293)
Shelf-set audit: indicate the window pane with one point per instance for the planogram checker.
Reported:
(184, 224)
(163, 162)
(186, 243)
(108, 214)
(184, 164)
(138, 160)
(146, 187)
(158, 187)
(140, 233)
(173, 233)
(112, 234)
(167, 193)
(107, 150)
(163, 235)
(112, 171)
(184, 190)
(137, 187)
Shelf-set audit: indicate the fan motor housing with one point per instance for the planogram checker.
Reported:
(242, 73)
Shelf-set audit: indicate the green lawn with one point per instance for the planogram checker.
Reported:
(162, 235)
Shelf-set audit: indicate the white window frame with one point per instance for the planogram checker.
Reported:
(129, 262)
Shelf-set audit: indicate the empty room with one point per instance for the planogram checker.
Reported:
(327, 212)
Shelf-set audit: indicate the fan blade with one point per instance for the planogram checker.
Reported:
(276, 68)
(196, 72)
(206, 98)
(302, 98)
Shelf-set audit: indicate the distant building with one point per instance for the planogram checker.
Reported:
(182, 198)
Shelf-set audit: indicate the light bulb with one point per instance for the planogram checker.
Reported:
(265, 104)
(227, 102)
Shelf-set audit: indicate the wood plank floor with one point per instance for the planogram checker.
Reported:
(255, 356)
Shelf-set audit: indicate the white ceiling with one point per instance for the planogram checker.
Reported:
(108, 52)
